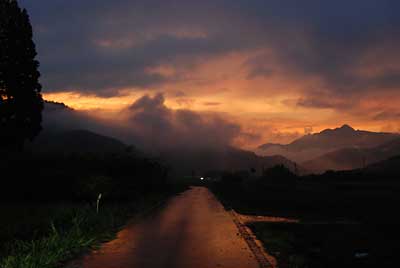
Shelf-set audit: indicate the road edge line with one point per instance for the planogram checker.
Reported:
(251, 241)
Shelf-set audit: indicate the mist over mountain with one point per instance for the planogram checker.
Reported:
(201, 145)
(148, 124)
(58, 117)
(187, 162)
(353, 157)
(312, 146)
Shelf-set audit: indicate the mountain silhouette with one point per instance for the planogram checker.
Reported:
(312, 146)
(76, 141)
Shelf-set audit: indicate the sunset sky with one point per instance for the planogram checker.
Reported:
(275, 69)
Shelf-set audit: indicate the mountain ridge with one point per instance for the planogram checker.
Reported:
(312, 146)
(353, 158)
(75, 141)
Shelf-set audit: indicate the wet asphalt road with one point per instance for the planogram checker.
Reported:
(192, 231)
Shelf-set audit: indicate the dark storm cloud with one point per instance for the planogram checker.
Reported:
(100, 71)
(161, 127)
(327, 100)
(101, 46)
(387, 115)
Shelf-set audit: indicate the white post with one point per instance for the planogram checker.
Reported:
(98, 203)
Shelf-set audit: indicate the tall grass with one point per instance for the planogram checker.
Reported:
(76, 229)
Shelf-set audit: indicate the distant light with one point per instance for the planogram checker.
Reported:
(201, 178)
(361, 255)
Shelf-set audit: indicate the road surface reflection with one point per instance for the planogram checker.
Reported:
(192, 230)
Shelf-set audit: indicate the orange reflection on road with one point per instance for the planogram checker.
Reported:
(192, 230)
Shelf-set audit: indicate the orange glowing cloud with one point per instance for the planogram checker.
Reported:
(269, 106)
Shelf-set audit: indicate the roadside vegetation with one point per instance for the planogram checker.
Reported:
(45, 236)
(49, 203)
(314, 245)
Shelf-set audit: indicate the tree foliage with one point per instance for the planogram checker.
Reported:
(21, 103)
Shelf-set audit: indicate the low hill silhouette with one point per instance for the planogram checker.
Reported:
(76, 141)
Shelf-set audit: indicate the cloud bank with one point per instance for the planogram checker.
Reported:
(150, 125)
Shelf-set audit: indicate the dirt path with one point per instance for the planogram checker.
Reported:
(192, 231)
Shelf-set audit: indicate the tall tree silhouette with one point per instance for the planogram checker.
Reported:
(21, 103)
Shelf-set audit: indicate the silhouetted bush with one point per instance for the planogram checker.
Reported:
(234, 177)
(278, 175)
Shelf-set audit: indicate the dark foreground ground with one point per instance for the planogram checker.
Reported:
(329, 245)
(339, 223)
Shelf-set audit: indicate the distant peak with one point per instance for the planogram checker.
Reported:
(346, 127)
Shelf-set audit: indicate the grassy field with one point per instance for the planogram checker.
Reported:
(330, 245)
(46, 235)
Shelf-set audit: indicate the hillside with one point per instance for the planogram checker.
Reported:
(353, 158)
(76, 141)
(390, 167)
(229, 159)
(314, 145)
